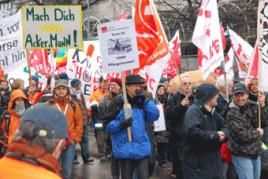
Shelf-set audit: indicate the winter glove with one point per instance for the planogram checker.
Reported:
(94, 108)
(126, 123)
(140, 99)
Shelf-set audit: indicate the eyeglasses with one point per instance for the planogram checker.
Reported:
(187, 83)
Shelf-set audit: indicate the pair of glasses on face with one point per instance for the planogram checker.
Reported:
(187, 83)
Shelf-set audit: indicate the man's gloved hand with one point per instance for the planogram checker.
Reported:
(126, 123)
(140, 98)
(94, 108)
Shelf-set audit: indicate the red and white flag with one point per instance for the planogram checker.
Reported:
(207, 37)
(263, 45)
(151, 38)
(243, 52)
(175, 60)
(40, 62)
(229, 62)
(253, 68)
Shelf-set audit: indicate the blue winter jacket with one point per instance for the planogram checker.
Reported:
(140, 146)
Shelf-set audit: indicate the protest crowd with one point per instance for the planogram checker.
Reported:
(140, 111)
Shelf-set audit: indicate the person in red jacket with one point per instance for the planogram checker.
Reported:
(37, 145)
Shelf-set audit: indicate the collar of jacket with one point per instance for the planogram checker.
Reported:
(241, 108)
(33, 154)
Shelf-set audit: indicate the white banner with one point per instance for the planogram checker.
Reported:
(52, 27)
(12, 54)
(87, 66)
(242, 51)
(207, 37)
(263, 45)
(153, 73)
(118, 46)
(160, 124)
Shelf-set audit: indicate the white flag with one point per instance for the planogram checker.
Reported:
(207, 37)
(242, 51)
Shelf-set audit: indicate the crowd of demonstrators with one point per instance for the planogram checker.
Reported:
(199, 120)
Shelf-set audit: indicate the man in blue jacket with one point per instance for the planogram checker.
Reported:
(133, 154)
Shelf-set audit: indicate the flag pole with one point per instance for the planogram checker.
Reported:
(259, 57)
(127, 106)
(52, 81)
(29, 65)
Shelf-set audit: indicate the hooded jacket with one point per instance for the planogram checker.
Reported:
(14, 118)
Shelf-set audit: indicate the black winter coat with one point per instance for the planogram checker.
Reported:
(175, 112)
(201, 157)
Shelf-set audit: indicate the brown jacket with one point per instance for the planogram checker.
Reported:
(74, 117)
(14, 118)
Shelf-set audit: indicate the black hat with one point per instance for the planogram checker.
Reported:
(75, 82)
(50, 121)
(63, 76)
(205, 92)
(239, 88)
(134, 79)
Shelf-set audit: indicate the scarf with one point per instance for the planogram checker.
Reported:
(33, 154)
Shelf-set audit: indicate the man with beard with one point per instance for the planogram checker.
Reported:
(62, 101)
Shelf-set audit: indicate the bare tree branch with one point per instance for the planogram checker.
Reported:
(176, 10)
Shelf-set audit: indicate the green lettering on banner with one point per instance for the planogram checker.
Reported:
(55, 42)
(61, 15)
(36, 17)
(28, 40)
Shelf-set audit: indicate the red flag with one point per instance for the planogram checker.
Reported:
(253, 68)
(175, 60)
(151, 39)
(39, 61)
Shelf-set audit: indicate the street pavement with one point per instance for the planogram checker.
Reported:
(101, 170)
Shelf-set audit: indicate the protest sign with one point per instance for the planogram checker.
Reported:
(52, 27)
(12, 53)
(160, 124)
(118, 46)
(87, 66)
